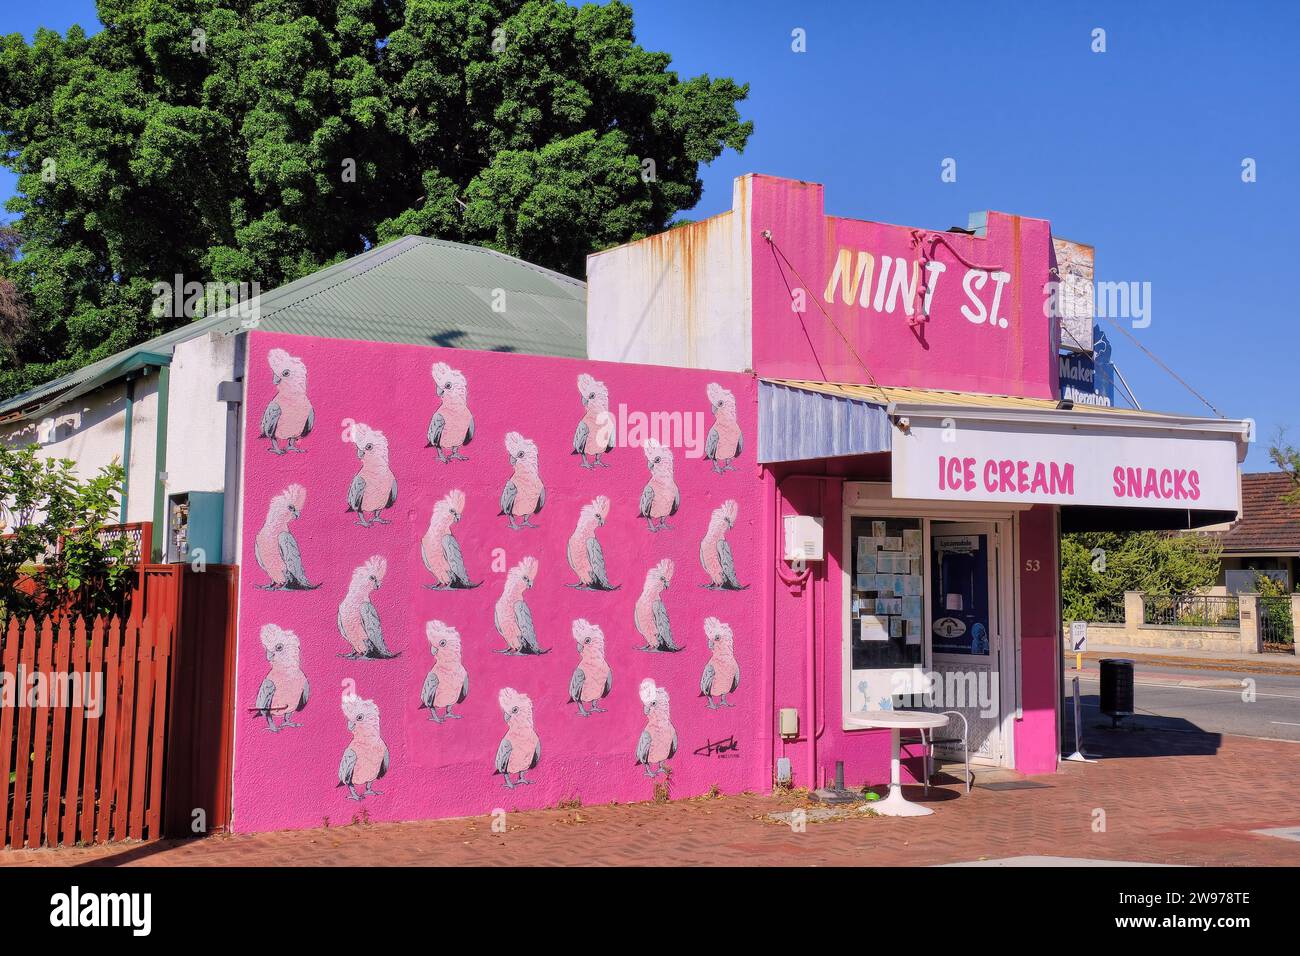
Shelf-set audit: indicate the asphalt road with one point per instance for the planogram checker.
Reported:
(1208, 700)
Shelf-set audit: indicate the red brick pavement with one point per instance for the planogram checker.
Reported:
(1194, 804)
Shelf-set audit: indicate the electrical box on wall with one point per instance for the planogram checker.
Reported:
(789, 722)
(803, 538)
(194, 525)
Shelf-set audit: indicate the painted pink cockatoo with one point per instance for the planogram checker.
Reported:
(593, 679)
(448, 682)
(289, 416)
(358, 620)
(520, 749)
(650, 615)
(595, 433)
(725, 442)
(524, 494)
(452, 425)
(276, 549)
(722, 673)
(715, 553)
(284, 690)
(660, 497)
(584, 551)
(374, 487)
(659, 739)
(513, 619)
(439, 548)
(366, 759)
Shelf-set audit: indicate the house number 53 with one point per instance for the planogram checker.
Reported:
(1033, 564)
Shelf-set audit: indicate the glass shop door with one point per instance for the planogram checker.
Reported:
(965, 632)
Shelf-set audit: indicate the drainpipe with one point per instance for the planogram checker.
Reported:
(810, 673)
(160, 462)
(770, 543)
(126, 446)
(802, 582)
(232, 393)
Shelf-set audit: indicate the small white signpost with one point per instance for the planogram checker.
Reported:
(1079, 644)
(1078, 639)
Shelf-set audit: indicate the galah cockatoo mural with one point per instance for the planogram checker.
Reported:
(520, 749)
(374, 487)
(448, 682)
(285, 690)
(721, 674)
(715, 553)
(276, 549)
(513, 619)
(452, 425)
(659, 739)
(524, 494)
(366, 759)
(650, 614)
(660, 497)
(725, 442)
(584, 551)
(439, 548)
(595, 433)
(592, 680)
(358, 620)
(289, 416)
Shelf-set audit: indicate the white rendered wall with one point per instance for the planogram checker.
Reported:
(679, 298)
(196, 421)
(89, 430)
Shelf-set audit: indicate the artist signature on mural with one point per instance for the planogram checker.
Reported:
(727, 747)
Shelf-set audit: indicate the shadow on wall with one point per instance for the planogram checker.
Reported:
(73, 426)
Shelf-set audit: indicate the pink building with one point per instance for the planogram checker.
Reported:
(810, 470)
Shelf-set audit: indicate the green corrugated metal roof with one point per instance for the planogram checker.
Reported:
(414, 290)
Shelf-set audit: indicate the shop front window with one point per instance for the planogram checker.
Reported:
(886, 616)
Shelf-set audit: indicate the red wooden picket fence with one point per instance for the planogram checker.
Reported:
(154, 747)
(90, 768)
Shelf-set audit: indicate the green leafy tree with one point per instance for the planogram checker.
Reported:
(13, 309)
(1098, 567)
(53, 554)
(258, 140)
(1287, 457)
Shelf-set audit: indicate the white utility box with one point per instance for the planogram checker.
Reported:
(803, 538)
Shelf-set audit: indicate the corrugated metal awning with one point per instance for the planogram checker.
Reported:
(934, 398)
(800, 424)
(1105, 468)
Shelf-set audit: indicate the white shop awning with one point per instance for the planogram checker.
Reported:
(1165, 471)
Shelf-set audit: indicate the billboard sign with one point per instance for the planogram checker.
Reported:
(1071, 464)
(1075, 305)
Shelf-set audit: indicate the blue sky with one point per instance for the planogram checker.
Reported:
(1136, 151)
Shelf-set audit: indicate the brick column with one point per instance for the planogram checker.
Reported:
(1251, 639)
(1133, 615)
(1295, 623)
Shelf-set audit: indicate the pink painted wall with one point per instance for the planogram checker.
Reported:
(290, 778)
(866, 753)
(1040, 642)
(1010, 351)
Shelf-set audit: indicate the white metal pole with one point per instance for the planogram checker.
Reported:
(1078, 756)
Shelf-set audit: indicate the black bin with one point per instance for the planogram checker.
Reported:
(1117, 688)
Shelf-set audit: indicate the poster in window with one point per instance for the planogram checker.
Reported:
(959, 607)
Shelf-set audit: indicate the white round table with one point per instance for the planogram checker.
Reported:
(895, 805)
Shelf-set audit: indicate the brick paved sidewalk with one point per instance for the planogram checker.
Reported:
(1188, 798)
